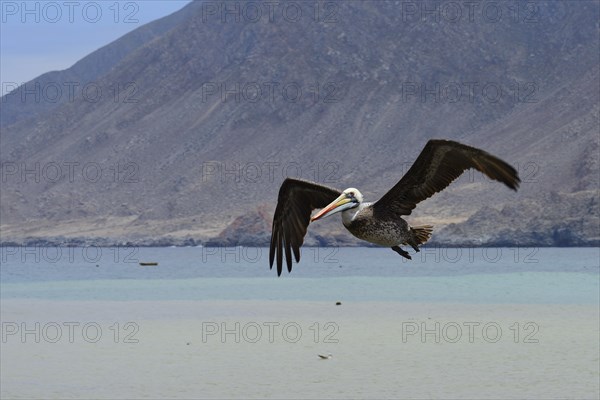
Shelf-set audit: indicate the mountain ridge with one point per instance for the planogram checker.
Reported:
(177, 150)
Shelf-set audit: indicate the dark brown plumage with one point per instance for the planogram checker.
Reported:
(440, 163)
(297, 199)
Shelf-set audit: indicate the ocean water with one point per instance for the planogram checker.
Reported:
(469, 275)
(505, 323)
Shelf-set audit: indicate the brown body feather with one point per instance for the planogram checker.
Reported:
(440, 163)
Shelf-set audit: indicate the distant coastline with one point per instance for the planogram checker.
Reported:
(546, 241)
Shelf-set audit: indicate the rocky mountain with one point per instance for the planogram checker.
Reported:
(198, 117)
(42, 95)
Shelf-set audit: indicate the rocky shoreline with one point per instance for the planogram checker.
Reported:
(556, 238)
(554, 220)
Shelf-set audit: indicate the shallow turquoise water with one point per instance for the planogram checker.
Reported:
(555, 291)
(498, 275)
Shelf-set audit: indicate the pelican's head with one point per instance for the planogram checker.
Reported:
(350, 198)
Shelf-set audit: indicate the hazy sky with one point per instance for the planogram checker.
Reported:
(41, 36)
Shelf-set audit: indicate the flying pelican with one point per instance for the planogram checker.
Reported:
(440, 163)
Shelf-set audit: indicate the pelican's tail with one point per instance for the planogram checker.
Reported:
(420, 235)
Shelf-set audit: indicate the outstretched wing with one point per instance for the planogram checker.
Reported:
(297, 199)
(440, 163)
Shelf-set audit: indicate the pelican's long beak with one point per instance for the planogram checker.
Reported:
(340, 204)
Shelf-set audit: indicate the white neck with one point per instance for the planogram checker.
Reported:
(349, 215)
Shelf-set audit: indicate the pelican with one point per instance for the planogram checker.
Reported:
(327, 357)
(381, 222)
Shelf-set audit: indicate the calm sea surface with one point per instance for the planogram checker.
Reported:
(470, 275)
(498, 323)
